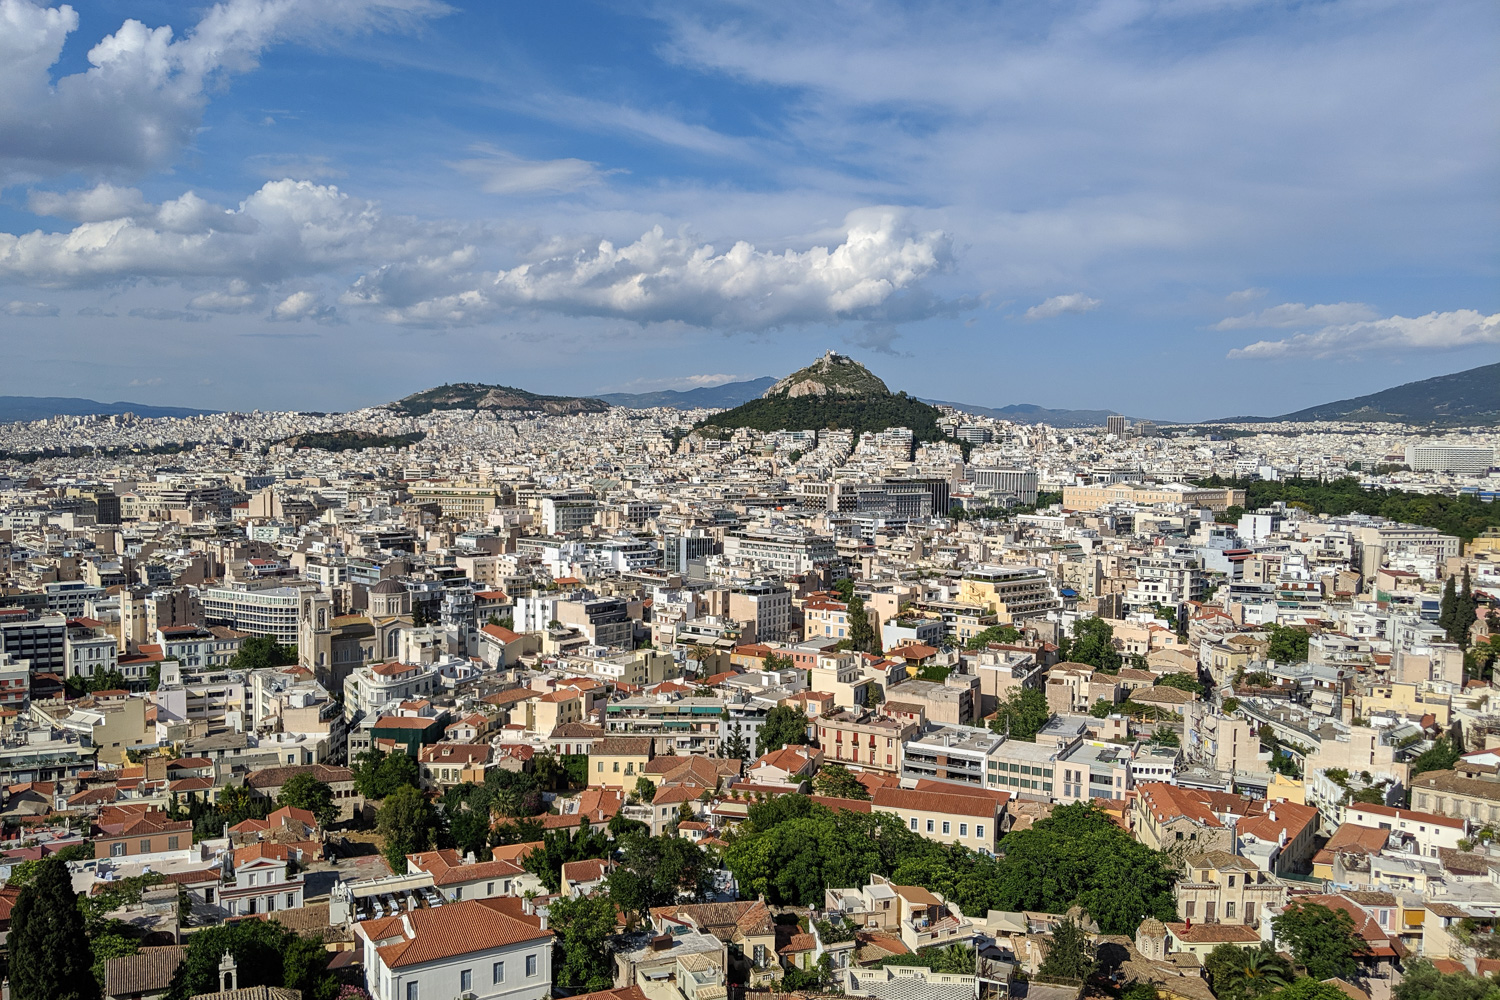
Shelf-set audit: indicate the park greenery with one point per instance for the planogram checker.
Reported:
(792, 849)
(1092, 643)
(1022, 714)
(783, 726)
(1464, 515)
(995, 633)
(1321, 939)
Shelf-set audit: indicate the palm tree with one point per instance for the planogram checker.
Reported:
(1260, 971)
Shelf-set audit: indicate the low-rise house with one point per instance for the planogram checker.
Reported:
(472, 948)
(267, 784)
(444, 765)
(789, 765)
(465, 878)
(584, 878)
(1416, 832)
(948, 817)
(141, 834)
(262, 883)
(1219, 887)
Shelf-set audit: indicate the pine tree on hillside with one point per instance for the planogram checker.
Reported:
(49, 951)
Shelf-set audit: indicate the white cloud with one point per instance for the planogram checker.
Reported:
(1245, 295)
(237, 297)
(177, 315)
(142, 97)
(501, 172)
(96, 204)
(1433, 332)
(667, 279)
(285, 229)
(18, 308)
(303, 305)
(138, 382)
(1076, 302)
(1290, 315)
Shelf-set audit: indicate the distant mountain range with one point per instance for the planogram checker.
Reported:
(478, 396)
(1467, 397)
(15, 409)
(710, 397)
(1030, 413)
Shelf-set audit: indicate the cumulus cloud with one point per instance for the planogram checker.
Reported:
(672, 279)
(142, 97)
(285, 229)
(18, 308)
(1290, 315)
(501, 172)
(237, 297)
(1432, 332)
(303, 305)
(1077, 302)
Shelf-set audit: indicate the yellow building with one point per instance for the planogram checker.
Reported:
(619, 761)
(1145, 494)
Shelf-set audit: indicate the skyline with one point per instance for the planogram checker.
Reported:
(999, 206)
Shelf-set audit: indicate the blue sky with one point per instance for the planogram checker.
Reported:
(1177, 209)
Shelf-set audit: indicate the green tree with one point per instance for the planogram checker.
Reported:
(262, 651)
(736, 746)
(1465, 614)
(560, 847)
(1246, 973)
(583, 927)
(783, 726)
(861, 632)
(837, 781)
(1448, 608)
(1288, 643)
(49, 950)
(656, 871)
(406, 823)
(1441, 757)
(1307, 988)
(1103, 708)
(378, 774)
(955, 959)
(265, 954)
(1182, 682)
(1321, 939)
(469, 832)
(1165, 737)
(1094, 644)
(1022, 715)
(1141, 989)
(995, 633)
(1422, 981)
(845, 589)
(645, 788)
(110, 944)
(303, 791)
(1070, 954)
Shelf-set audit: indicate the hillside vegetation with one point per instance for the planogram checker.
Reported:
(1465, 516)
(477, 396)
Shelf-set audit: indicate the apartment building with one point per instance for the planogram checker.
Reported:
(951, 753)
(483, 949)
(1010, 593)
(864, 739)
(267, 608)
(367, 689)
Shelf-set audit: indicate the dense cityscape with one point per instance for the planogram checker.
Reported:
(740, 500)
(635, 701)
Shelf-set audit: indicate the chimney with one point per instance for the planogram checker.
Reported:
(406, 927)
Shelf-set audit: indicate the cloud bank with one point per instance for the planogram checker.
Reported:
(1436, 331)
(1059, 304)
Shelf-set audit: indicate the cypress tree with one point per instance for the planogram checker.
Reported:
(49, 951)
(1466, 613)
(1448, 608)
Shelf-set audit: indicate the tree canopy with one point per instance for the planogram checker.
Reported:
(49, 950)
(1321, 939)
(837, 781)
(1246, 973)
(407, 823)
(1423, 981)
(1288, 643)
(262, 651)
(1093, 642)
(265, 953)
(783, 726)
(1022, 715)
(656, 871)
(303, 791)
(583, 927)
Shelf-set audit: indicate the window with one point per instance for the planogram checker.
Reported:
(913, 825)
(617, 767)
(979, 830)
(497, 972)
(963, 829)
(947, 827)
(601, 767)
(489, 888)
(1229, 910)
(145, 847)
(172, 843)
(458, 892)
(1188, 908)
(117, 850)
(411, 991)
(530, 965)
(466, 980)
(930, 826)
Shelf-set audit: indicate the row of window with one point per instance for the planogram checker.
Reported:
(963, 828)
(1041, 772)
(466, 978)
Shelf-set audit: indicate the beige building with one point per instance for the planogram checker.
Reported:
(946, 817)
(619, 761)
(863, 739)
(1461, 793)
(1010, 593)
(1143, 494)
(1220, 887)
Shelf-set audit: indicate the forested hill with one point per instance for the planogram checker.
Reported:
(1466, 397)
(477, 396)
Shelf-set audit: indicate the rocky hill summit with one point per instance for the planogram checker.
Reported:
(831, 375)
